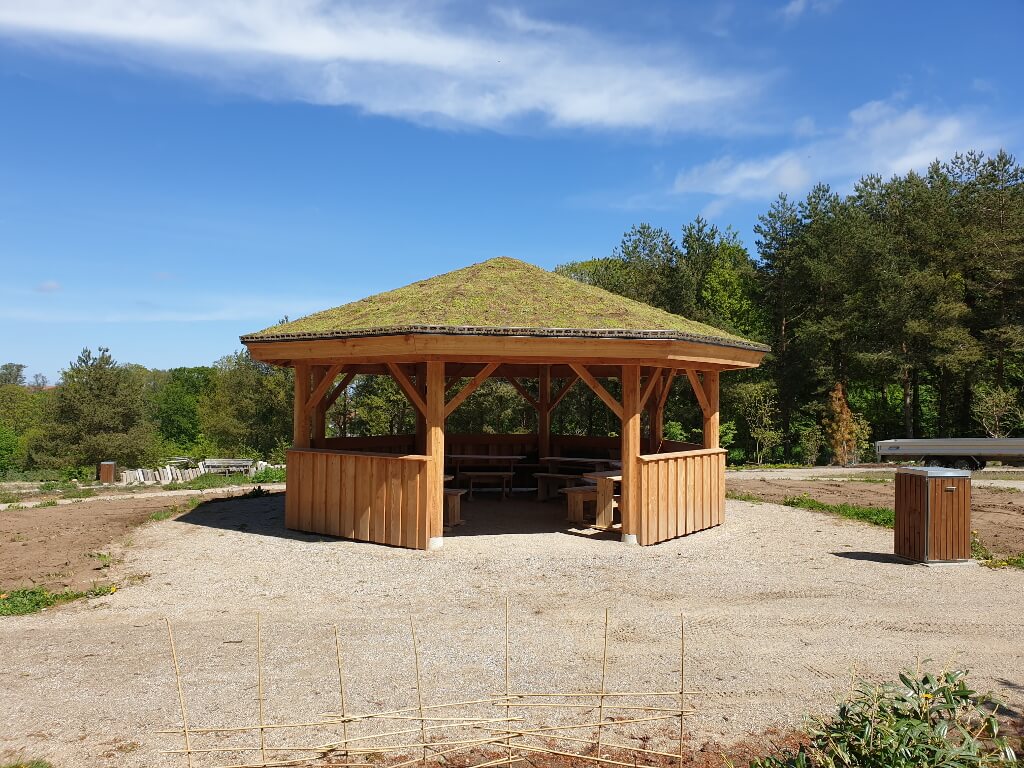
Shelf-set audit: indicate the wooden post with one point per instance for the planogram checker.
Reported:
(434, 448)
(320, 411)
(656, 413)
(421, 423)
(710, 387)
(300, 417)
(544, 411)
(630, 504)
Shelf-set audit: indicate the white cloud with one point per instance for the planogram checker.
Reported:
(880, 137)
(794, 9)
(404, 60)
(48, 286)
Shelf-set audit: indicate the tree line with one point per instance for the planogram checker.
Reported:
(894, 311)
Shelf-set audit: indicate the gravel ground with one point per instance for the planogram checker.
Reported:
(782, 606)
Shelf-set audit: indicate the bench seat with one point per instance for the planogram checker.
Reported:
(504, 477)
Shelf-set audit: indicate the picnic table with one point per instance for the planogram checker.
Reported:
(476, 459)
(566, 479)
(606, 482)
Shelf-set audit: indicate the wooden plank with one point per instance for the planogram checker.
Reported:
(380, 501)
(333, 501)
(469, 389)
(423, 508)
(319, 501)
(664, 498)
(523, 391)
(711, 416)
(348, 497)
(393, 525)
(291, 493)
(363, 498)
(407, 387)
(690, 495)
(603, 393)
(410, 504)
(630, 414)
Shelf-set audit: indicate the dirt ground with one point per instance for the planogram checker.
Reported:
(59, 547)
(782, 607)
(997, 506)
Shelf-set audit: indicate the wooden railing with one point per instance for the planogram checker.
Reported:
(376, 497)
(680, 493)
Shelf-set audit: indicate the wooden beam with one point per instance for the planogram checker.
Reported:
(698, 390)
(408, 387)
(543, 407)
(711, 417)
(599, 390)
(523, 391)
(323, 386)
(630, 415)
(300, 416)
(434, 414)
(663, 397)
(469, 389)
(563, 391)
(342, 386)
(652, 382)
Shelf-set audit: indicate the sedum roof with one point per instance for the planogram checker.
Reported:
(500, 296)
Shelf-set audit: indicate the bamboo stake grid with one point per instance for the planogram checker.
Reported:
(446, 729)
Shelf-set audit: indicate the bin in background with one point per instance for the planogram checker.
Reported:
(933, 514)
(106, 473)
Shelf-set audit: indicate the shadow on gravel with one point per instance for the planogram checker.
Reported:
(264, 516)
(874, 557)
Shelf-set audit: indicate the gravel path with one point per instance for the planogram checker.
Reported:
(781, 604)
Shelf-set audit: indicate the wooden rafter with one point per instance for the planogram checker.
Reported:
(470, 388)
(321, 389)
(652, 382)
(663, 397)
(698, 390)
(614, 405)
(523, 391)
(407, 387)
(336, 392)
(557, 397)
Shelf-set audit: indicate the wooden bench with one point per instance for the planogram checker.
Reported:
(228, 466)
(504, 477)
(546, 479)
(453, 506)
(577, 497)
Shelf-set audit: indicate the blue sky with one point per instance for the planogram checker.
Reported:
(174, 174)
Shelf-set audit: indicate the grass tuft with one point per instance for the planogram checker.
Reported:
(19, 602)
(876, 515)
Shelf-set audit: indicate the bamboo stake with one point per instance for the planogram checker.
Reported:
(181, 694)
(682, 682)
(507, 704)
(548, 751)
(259, 689)
(604, 674)
(610, 745)
(419, 688)
(341, 689)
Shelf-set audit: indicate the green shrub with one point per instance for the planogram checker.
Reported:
(270, 475)
(924, 720)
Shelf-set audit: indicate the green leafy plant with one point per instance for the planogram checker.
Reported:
(923, 720)
(876, 515)
(35, 763)
(47, 503)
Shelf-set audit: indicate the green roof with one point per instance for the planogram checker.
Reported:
(500, 296)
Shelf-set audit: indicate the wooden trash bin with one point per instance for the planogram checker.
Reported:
(933, 515)
(106, 472)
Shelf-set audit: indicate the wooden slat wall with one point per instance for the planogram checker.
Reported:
(949, 535)
(680, 493)
(364, 496)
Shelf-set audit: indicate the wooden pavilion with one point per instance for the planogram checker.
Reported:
(500, 318)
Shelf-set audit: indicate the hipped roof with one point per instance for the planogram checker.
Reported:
(502, 297)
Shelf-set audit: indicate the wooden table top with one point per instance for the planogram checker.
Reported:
(612, 474)
(574, 460)
(482, 456)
